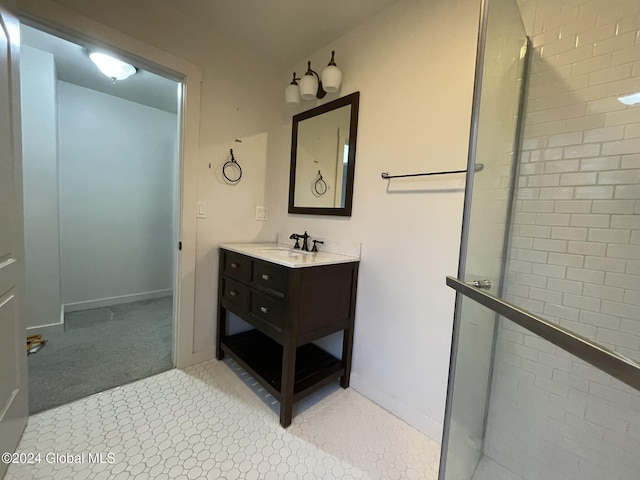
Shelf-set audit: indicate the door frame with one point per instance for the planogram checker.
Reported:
(69, 25)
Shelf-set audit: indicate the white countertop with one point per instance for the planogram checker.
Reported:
(286, 255)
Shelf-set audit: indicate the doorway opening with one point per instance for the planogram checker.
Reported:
(101, 190)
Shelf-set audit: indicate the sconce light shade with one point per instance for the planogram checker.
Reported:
(112, 67)
(292, 94)
(331, 76)
(308, 87)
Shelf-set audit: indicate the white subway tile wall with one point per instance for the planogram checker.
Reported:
(575, 249)
(553, 416)
(576, 225)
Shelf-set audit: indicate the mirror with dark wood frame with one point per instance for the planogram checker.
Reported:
(323, 157)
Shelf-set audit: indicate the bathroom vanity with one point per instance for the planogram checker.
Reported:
(291, 298)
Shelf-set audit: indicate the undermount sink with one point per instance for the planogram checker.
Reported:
(285, 252)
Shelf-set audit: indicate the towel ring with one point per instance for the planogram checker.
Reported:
(233, 164)
(320, 186)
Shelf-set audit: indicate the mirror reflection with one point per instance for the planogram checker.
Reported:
(323, 158)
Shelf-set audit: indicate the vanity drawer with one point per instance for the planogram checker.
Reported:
(237, 266)
(268, 309)
(235, 293)
(270, 276)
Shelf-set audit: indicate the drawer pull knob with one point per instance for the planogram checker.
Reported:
(234, 265)
(233, 293)
(265, 276)
(264, 309)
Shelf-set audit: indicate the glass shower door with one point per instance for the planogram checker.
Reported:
(500, 74)
(545, 379)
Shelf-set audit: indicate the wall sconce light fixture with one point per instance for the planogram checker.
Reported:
(313, 85)
(112, 67)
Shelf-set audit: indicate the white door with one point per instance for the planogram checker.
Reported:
(13, 355)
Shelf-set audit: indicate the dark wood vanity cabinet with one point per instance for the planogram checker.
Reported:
(289, 308)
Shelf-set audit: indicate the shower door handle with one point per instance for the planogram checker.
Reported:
(483, 284)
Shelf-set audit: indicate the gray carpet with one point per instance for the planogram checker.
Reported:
(101, 349)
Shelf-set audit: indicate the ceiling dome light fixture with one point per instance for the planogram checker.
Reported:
(112, 67)
(311, 85)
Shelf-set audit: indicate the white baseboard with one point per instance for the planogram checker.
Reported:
(107, 302)
(198, 357)
(46, 329)
(397, 407)
(50, 327)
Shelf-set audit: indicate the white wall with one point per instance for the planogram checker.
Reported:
(117, 177)
(414, 66)
(40, 179)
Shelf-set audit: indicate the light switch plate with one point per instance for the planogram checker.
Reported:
(202, 210)
(262, 213)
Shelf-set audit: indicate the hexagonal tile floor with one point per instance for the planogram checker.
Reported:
(206, 422)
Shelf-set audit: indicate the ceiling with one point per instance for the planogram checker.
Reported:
(285, 32)
(74, 66)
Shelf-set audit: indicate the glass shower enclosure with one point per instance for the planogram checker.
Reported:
(544, 371)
